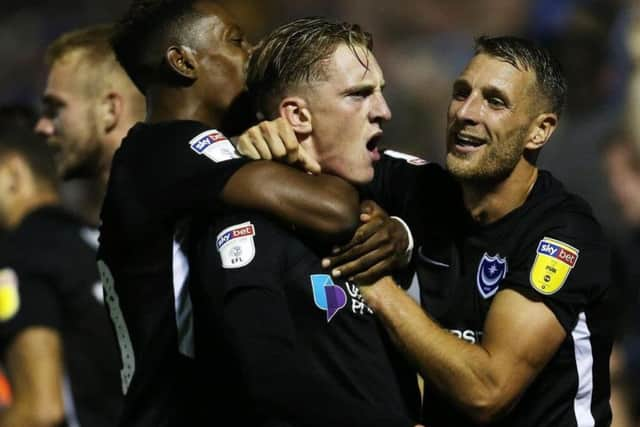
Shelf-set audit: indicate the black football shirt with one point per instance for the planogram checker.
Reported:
(296, 344)
(161, 174)
(48, 278)
(551, 249)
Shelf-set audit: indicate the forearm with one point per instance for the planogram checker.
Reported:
(325, 204)
(466, 372)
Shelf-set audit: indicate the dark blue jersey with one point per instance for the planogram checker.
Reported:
(161, 174)
(551, 249)
(298, 348)
(49, 279)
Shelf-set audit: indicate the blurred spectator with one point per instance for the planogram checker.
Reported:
(55, 340)
(622, 166)
(89, 105)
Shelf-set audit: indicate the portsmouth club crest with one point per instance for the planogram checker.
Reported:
(491, 271)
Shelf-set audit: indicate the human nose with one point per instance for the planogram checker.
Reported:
(468, 110)
(381, 110)
(44, 126)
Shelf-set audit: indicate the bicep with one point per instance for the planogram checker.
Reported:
(521, 336)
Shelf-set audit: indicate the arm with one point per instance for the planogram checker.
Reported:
(485, 380)
(325, 204)
(35, 367)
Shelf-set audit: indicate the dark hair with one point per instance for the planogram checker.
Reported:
(146, 31)
(526, 55)
(33, 148)
(298, 52)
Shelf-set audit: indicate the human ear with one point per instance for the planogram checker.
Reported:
(541, 130)
(182, 61)
(111, 109)
(295, 111)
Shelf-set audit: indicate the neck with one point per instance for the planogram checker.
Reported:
(490, 202)
(179, 104)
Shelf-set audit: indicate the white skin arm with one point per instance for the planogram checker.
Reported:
(35, 368)
(485, 380)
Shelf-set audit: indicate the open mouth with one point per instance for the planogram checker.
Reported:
(372, 144)
(470, 141)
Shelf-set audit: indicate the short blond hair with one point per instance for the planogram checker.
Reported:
(99, 66)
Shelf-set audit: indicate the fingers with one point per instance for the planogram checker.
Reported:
(289, 140)
(270, 140)
(245, 147)
(307, 162)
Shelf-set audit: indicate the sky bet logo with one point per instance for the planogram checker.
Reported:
(202, 141)
(243, 231)
(564, 254)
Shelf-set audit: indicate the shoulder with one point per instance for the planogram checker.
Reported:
(243, 235)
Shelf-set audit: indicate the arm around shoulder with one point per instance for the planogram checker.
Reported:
(324, 204)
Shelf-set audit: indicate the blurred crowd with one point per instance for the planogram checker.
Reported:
(421, 45)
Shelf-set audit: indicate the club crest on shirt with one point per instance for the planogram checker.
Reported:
(327, 296)
(554, 261)
(236, 246)
(9, 295)
(491, 271)
(214, 145)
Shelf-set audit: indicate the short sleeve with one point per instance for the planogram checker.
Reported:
(27, 299)
(566, 268)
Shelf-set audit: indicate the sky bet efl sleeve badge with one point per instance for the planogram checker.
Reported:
(235, 245)
(214, 145)
(9, 296)
(553, 263)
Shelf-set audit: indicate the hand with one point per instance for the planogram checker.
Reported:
(377, 247)
(275, 140)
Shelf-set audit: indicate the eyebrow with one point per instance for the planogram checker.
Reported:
(52, 100)
(363, 86)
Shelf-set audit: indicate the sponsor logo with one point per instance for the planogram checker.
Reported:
(327, 296)
(491, 271)
(9, 296)
(468, 335)
(214, 145)
(236, 246)
(554, 261)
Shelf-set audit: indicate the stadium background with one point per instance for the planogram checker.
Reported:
(421, 45)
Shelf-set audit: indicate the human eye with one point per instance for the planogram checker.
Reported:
(460, 92)
(496, 102)
(361, 93)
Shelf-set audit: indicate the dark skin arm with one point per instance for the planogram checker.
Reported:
(324, 204)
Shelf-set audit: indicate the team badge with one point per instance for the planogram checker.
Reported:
(491, 271)
(9, 296)
(554, 261)
(214, 145)
(411, 159)
(235, 245)
(326, 295)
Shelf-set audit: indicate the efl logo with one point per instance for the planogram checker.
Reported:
(243, 231)
(564, 253)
